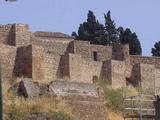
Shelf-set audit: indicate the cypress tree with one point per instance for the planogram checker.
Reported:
(135, 46)
(156, 50)
(91, 30)
(110, 29)
(82, 33)
(127, 37)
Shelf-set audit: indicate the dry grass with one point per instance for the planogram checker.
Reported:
(114, 116)
(22, 106)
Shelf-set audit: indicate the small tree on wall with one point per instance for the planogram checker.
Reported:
(156, 50)
(127, 37)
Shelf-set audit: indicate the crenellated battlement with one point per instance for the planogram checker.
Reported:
(5, 28)
(52, 35)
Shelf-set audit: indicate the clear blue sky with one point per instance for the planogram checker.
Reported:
(142, 16)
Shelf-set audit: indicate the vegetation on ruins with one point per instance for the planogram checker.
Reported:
(107, 34)
(127, 37)
(19, 108)
(156, 50)
(110, 29)
(114, 97)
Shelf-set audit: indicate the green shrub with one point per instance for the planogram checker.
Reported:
(114, 97)
(60, 116)
(15, 114)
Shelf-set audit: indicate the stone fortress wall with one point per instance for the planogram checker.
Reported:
(71, 66)
(48, 56)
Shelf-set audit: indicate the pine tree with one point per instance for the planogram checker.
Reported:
(156, 50)
(110, 29)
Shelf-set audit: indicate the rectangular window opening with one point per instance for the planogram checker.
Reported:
(95, 56)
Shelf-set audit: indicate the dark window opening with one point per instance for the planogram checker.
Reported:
(95, 56)
(129, 82)
(95, 79)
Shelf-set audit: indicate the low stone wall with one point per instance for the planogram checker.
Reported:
(51, 46)
(146, 60)
(86, 100)
(63, 88)
(44, 34)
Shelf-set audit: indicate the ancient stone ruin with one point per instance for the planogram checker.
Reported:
(48, 56)
(52, 56)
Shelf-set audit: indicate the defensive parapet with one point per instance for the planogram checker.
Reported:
(15, 34)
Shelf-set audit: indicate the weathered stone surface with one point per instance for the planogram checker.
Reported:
(63, 88)
(38, 116)
(48, 56)
(86, 100)
(7, 60)
(28, 89)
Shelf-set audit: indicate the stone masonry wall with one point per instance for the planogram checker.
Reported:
(146, 60)
(82, 48)
(82, 70)
(87, 100)
(45, 66)
(49, 58)
(120, 52)
(7, 60)
(56, 46)
(157, 80)
(7, 34)
(37, 63)
(106, 72)
(15, 35)
(44, 56)
(147, 77)
(51, 67)
(86, 50)
(44, 34)
(117, 73)
(22, 35)
(103, 52)
(23, 62)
